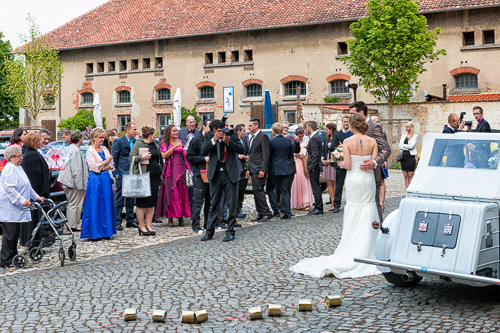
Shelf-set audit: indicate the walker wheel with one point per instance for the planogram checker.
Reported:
(61, 256)
(20, 261)
(36, 254)
(72, 252)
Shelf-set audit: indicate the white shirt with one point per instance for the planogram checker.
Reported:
(253, 137)
(15, 189)
(311, 135)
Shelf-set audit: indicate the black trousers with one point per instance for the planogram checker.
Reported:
(242, 186)
(318, 199)
(10, 238)
(222, 213)
(278, 192)
(340, 178)
(282, 182)
(259, 195)
(201, 198)
(221, 183)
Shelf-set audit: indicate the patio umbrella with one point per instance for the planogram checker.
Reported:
(268, 110)
(177, 108)
(97, 111)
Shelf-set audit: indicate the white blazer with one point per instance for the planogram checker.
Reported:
(411, 146)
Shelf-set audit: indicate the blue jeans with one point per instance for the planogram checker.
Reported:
(129, 203)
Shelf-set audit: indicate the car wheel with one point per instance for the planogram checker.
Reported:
(323, 186)
(397, 280)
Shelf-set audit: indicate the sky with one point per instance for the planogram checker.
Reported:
(49, 14)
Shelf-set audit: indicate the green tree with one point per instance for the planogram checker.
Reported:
(186, 113)
(9, 113)
(390, 49)
(80, 121)
(35, 73)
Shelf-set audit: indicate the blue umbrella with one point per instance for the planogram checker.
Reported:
(268, 110)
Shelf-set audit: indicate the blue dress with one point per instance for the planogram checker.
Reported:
(98, 219)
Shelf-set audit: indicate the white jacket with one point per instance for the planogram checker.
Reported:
(411, 146)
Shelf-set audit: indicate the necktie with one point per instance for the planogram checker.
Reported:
(251, 139)
(346, 134)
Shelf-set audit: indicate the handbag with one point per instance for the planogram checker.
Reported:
(399, 158)
(189, 178)
(304, 162)
(204, 176)
(136, 186)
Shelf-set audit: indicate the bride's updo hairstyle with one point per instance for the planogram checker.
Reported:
(358, 123)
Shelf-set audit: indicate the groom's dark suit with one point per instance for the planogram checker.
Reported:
(384, 151)
(315, 167)
(339, 137)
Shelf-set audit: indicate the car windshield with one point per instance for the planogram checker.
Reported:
(474, 154)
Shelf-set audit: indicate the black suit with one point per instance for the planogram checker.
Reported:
(483, 126)
(259, 161)
(279, 172)
(293, 171)
(339, 137)
(120, 152)
(242, 185)
(201, 195)
(222, 180)
(450, 130)
(315, 167)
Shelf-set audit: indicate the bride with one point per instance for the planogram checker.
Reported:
(358, 236)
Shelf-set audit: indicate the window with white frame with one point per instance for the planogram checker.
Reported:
(291, 117)
(87, 98)
(254, 90)
(124, 96)
(207, 115)
(207, 92)
(339, 87)
(122, 121)
(163, 121)
(291, 88)
(163, 95)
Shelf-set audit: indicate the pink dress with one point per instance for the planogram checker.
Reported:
(173, 199)
(302, 195)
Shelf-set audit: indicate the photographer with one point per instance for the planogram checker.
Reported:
(482, 125)
(223, 173)
(454, 124)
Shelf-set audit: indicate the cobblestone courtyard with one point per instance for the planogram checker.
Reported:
(226, 279)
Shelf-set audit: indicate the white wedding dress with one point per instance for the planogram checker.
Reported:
(358, 236)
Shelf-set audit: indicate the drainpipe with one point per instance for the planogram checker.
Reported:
(444, 91)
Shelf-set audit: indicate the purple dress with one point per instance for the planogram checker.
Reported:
(173, 199)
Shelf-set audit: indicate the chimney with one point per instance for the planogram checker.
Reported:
(444, 91)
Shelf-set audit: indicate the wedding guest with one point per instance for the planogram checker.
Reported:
(45, 136)
(198, 163)
(482, 124)
(173, 200)
(340, 173)
(187, 134)
(223, 175)
(408, 150)
(108, 141)
(98, 219)
(37, 170)
(17, 137)
(145, 207)
(314, 166)
(257, 168)
(328, 169)
(67, 137)
(293, 169)
(74, 181)
(121, 151)
(243, 159)
(384, 168)
(281, 151)
(301, 196)
(15, 193)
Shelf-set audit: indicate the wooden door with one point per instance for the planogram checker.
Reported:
(51, 126)
(258, 112)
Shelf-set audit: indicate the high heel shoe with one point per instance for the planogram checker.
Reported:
(181, 221)
(170, 222)
(151, 232)
(143, 233)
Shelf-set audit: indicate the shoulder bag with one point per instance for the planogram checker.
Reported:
(136, 186)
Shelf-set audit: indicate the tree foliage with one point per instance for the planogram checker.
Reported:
(80, 121)
(390, 49)
(186, 113)
(35, 73)
(9, 113)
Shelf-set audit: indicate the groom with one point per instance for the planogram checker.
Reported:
(384, 150)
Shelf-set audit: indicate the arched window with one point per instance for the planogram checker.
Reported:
(124, 96)
(207, 92)
(291, 88)
(339, 87)
(254, 90)
(466, 81)
(87, 98)
(163, 95)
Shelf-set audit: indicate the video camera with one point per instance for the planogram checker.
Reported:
(467, 123)
(226, 131)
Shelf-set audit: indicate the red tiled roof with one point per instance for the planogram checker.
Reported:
(121, 21)
(475, 98)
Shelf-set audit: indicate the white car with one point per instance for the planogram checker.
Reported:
(447, 227)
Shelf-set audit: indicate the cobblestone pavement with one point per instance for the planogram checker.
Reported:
(226, 279)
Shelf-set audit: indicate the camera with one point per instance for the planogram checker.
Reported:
(226, 131)
(467, 123)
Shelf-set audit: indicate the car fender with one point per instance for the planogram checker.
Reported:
(384, 240)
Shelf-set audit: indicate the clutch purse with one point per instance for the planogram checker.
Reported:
(189, 178)
(399, 158)
(304, 162)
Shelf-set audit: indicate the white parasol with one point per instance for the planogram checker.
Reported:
(97, 111)
(177, 108)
